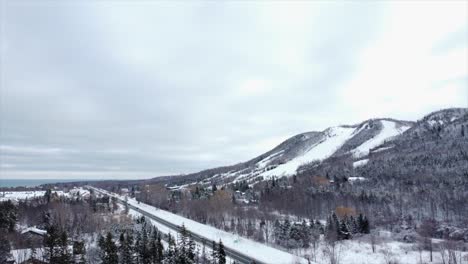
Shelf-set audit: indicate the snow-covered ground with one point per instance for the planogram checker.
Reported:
(336, 137)
(389, 130)
(16, 196)
(265, 161)
(359, 251)
(360, 163)
(20, 255)
(249, 247)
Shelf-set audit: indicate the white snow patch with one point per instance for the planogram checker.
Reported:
(335, 138)
(436, 122)
(16, 196)
(356, 179)
(265, 161)
(360, 163)
(381, 149)
(34, 230)
(389, 130)
(20, 255)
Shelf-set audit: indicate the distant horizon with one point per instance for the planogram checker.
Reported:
(138, 175)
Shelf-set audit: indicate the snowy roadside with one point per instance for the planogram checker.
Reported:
(248, 247)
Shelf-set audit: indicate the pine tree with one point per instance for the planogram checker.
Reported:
(343, 231)
(144, 250)
(250, 228)
(171, 253)
(360, 223)
(51, 244)
(79, 252)
(156, 247)
(330, 228)
(125, 249)
(305, 234)
(5, 247)
(48, 195)
(108, 254)
(64, 256)
(8, 215)
(138, 246)
(214, 253)
(203, 257)
(221, 255)
(160, 248)
(353, 228)
(365, 226)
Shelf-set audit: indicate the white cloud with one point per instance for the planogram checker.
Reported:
(169, 87)
(400, 71)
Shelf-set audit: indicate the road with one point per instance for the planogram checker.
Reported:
(233, 254)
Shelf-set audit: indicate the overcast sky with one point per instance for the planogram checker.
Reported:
(113, 89)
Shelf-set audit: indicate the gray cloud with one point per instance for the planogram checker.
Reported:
(120, 89)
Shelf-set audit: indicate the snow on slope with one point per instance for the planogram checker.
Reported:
(334, 139)
(265, 161)
(389, 130)
(360, 163)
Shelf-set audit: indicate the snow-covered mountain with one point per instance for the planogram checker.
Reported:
(353, 144)
(350, 141)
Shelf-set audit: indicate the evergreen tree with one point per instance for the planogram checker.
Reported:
(185, 255)
(8, 215)
(353, 228)
(171, 253)
(156, 247)
(221, 255)
(138, 245)
(365, 226)
(125, 249)
(214, 253)
(108, 249)
(305, 234)
(294, 238)
(285, 230)
(64, 256)
(48, 195)
(331, 228)
(79, 252)
(203, 258)
(250, 228)
(5, 247)
(145, 257)
(343, 231)
(51, 244)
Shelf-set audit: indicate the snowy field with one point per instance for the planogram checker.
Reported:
(17, 196)
(359, 251)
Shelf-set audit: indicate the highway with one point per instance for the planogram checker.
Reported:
(231, 253)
